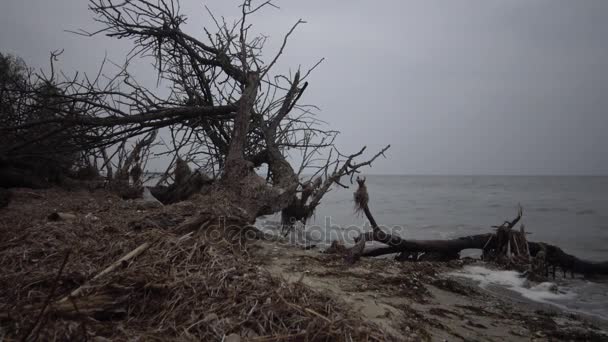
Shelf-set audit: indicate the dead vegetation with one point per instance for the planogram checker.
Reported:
(182, 287)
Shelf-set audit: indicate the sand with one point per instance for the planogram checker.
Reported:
(423, 301)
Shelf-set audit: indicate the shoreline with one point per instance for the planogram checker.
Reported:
(377, 297)
(425, 294)
(506, 294)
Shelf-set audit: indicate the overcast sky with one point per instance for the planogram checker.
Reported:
(456, 87)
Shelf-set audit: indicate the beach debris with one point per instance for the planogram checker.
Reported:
(154, 284)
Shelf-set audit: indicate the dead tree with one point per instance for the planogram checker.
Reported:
(227, 112)
(507, 246)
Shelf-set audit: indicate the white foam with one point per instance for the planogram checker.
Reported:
(546, 292)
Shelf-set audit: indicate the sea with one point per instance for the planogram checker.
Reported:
(568, 211)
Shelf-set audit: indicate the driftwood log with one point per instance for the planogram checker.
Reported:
(504, 245)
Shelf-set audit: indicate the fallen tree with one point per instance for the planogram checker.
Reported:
(506, 246)
(227, 113)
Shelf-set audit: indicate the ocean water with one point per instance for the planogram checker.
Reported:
(571, 212)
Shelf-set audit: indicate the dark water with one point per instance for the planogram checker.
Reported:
(571, 212)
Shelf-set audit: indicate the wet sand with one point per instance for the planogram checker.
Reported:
(422, 301)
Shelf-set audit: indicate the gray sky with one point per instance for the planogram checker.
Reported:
(457, 87)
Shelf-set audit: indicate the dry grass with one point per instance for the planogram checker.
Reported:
(181, 288)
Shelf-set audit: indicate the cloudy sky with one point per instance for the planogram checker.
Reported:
(456, 87)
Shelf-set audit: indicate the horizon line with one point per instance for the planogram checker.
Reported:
(468, 174)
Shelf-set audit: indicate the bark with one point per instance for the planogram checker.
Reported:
(241, 123)
(240, 195)
(239, 183)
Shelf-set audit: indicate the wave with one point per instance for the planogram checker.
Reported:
(543, 292)
(576, 295)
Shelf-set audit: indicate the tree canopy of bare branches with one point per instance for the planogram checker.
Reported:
(227, 112)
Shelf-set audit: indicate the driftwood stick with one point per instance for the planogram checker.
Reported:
(134, 253)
